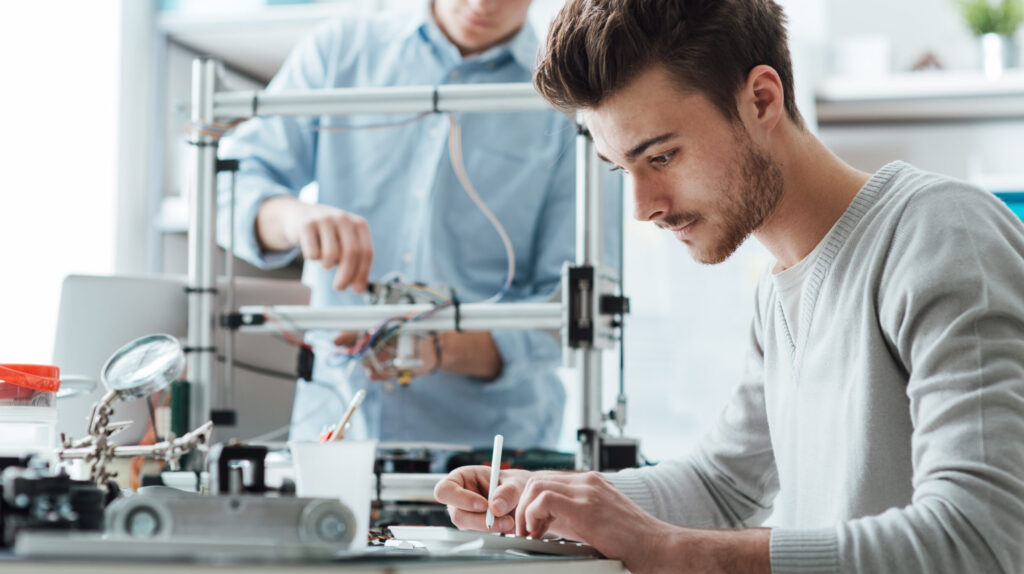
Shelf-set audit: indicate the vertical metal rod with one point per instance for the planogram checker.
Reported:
(201, 273)
(227, 399)
(588, 252)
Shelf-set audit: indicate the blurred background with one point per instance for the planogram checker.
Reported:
(95, 95)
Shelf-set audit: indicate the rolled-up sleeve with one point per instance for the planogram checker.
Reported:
(276, 154)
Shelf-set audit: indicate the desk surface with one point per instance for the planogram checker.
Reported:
(426, 566)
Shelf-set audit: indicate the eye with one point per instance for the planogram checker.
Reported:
(663, 159)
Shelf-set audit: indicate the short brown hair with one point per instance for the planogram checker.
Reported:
(596, 47)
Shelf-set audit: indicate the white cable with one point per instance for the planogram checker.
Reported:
(455, 153)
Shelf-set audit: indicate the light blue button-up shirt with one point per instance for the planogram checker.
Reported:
(423, 223)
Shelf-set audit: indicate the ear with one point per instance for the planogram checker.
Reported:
(761, 100)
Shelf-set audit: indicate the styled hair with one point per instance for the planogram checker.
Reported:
(596, 47)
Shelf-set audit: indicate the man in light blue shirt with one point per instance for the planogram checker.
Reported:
(390, 201)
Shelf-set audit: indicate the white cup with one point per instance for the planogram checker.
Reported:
(340, 469)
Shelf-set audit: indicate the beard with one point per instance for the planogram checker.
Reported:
(746, 201)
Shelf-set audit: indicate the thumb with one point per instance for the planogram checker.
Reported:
(506, 497)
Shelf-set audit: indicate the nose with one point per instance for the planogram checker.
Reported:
(649, 203)
(482, 5)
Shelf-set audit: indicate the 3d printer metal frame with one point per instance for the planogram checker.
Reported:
(592, 305)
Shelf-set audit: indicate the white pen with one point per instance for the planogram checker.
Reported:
(339, 431)
(495, 471)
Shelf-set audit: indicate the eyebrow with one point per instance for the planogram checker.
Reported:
(642, 147)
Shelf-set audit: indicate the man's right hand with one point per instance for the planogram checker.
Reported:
(465, 491)
(324, 233)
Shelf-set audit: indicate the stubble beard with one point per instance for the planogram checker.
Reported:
(744, 205)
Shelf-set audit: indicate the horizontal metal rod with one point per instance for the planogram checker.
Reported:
(472, 317)
(396, 100)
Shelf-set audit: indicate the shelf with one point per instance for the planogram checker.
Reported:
(921, 96)
(257, 41)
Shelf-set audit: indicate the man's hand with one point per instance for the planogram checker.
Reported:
(472, 353)
(380, 368)
(587, 507)
(334, 237)
(465, 492)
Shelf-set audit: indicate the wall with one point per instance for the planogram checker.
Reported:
(912, 27)
(60, 101)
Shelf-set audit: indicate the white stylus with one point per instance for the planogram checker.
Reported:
(495, 472)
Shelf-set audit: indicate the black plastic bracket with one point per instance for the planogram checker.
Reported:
(305, 364)
(234, 320)
(581, 324)
(224, 417)
(227, 165)
(614, 305)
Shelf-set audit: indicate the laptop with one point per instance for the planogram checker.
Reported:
(100, 313)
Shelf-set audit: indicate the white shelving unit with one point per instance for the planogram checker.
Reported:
(255, 42)
(921, 96)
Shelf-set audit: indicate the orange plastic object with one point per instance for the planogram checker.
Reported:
(37, 377)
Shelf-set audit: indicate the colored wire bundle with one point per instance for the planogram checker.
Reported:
(374, 341)
(212, 129)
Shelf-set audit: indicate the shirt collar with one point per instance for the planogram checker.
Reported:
(522, 46)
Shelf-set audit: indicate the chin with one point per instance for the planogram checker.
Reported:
(711, 254)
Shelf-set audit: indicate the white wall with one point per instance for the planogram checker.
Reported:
(59, 103)
(912, 28)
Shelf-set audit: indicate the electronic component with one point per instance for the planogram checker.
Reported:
(174, 516)
(36, 498)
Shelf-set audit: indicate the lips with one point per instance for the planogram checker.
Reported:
(684, 231)
(478, 21)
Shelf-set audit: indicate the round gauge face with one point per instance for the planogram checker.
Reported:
(144, 366)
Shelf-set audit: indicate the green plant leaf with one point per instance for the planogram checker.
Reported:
(988, 17)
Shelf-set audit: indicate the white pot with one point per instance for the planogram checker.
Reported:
(998, 53)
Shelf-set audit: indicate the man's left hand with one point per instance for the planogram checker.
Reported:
(587, 507)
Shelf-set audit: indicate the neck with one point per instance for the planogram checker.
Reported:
(817, 189)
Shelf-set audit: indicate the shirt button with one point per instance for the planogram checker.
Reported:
(434, 132)
(407, 258)
(454, 74)
(420, 193)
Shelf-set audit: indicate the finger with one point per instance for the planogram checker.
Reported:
(477, 521)
(462, 489)
(378, 375)
(535, 487)
(385, 354)
(330, 250)
(348, 257)
(505, 498)
(542, 512)
(362, 276)
(346, 338)
(309, 242)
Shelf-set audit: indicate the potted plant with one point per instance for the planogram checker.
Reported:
(994, 22)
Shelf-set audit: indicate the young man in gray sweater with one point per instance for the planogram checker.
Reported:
(881, 415)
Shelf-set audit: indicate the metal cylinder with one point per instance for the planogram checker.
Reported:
(201, 243)
(397, 100)
(472, 317)
(588, 253)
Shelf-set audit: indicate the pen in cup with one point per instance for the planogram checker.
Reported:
(339, 431)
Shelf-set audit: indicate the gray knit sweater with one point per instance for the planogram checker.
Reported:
(891, 439)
